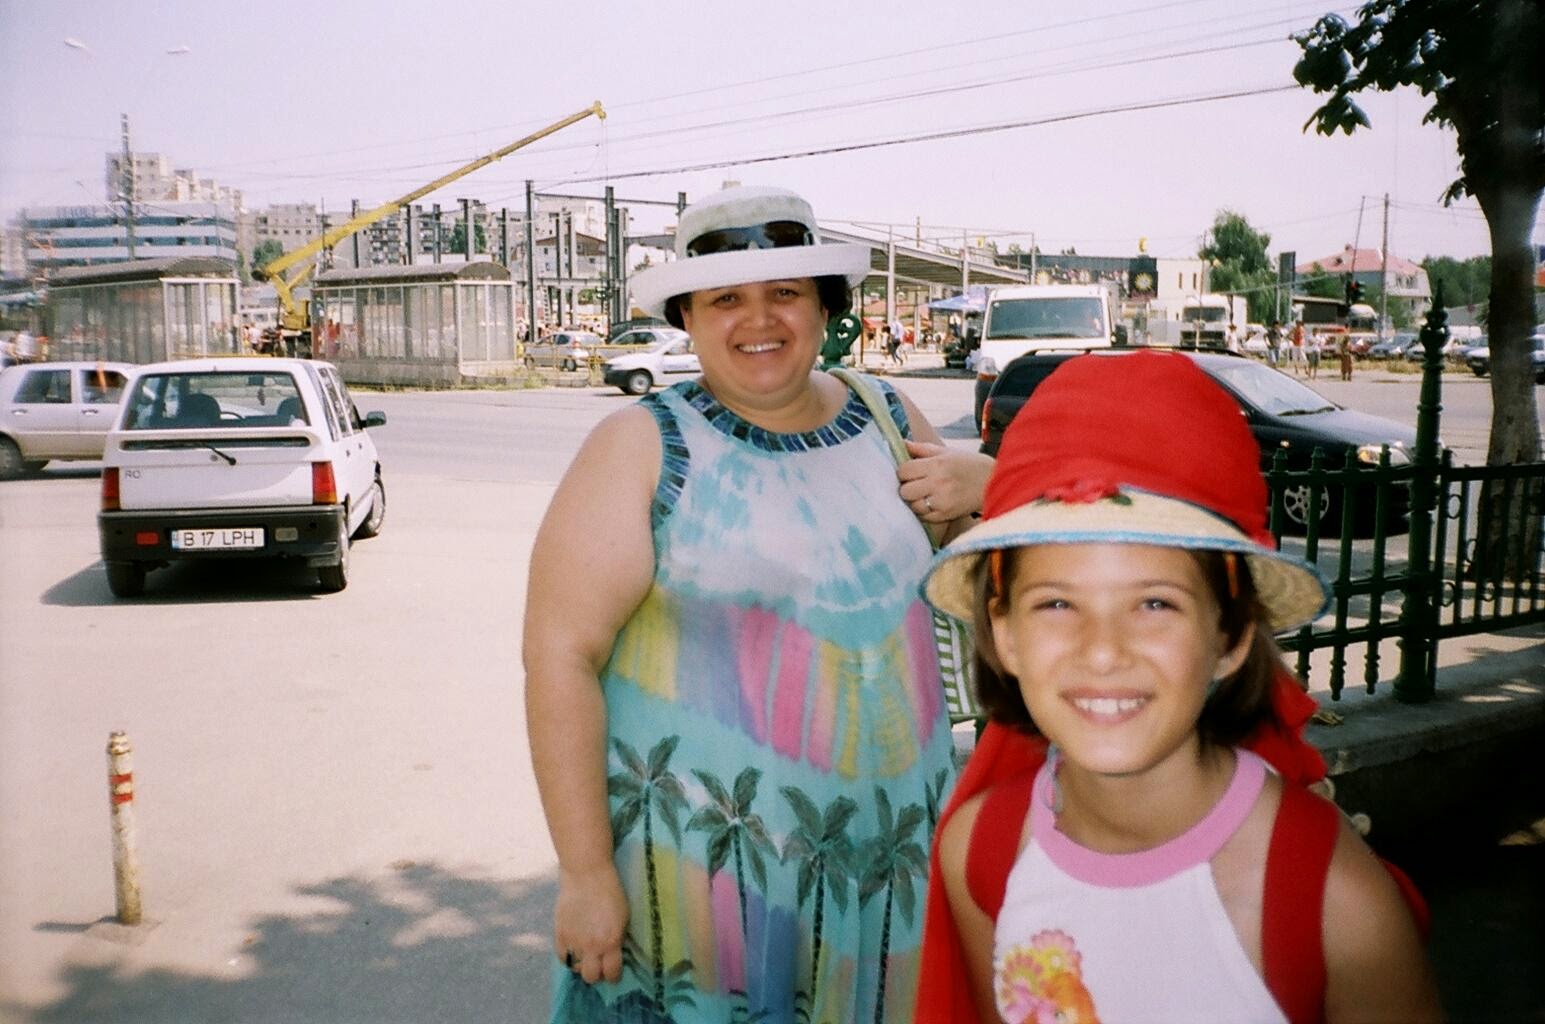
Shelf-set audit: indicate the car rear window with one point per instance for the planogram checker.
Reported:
(162, 401)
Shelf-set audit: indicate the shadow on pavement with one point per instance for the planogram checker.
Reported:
(213, 581)
(424, 945)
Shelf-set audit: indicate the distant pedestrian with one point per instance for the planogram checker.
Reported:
(898, 339)
(1296, 347)
(1312, 357)
(26, 346)
(1344, 351)
(1274, 343)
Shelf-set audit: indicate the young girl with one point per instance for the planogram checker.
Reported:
(1124, 590)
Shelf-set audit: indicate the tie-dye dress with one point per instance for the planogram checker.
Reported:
(779, 747)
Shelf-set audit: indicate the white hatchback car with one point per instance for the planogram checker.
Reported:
(56, 411)
(669, 355)
(237, 457)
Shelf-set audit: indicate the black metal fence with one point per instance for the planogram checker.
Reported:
(1470, 559)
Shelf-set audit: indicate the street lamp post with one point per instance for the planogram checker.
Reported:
(126, 182)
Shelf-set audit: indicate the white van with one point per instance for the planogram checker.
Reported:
(1036, 317)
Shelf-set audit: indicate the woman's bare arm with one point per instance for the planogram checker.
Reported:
(591, 566)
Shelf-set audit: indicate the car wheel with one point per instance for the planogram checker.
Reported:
(1478, 371)
(530, 363)
(11, 464)
(638, 383)
(334, 578)
(35, 466)
(569, 364)
(372, 524)
(126, 579)
(1295, 502)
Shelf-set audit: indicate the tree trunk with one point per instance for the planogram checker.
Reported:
(1508, 532)
(1515, 429)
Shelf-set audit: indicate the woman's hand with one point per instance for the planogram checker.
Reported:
(942, 484)
(588, 922)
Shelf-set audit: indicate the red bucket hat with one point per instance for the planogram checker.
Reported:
(1137, 448)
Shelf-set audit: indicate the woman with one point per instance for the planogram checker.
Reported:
(732, 694)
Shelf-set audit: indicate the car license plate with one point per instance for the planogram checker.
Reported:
(235, 538)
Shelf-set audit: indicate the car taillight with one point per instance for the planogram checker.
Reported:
(986, 416)
(324, 488)
(110, 496)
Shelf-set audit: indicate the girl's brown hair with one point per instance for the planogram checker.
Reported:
(1239, 704)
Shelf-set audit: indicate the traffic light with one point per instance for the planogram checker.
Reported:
(1354, 291)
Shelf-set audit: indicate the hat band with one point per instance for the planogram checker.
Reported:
(774, 234)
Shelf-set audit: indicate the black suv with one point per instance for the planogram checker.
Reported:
(1281, 412)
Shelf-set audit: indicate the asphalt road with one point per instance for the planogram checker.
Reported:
(336, 820)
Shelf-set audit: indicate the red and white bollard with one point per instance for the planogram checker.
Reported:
(120, 787)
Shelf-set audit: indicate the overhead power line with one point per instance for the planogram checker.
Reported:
(955, 133)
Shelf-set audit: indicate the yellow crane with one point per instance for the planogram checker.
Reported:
(294, 317)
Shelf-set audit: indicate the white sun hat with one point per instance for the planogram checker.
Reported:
(746, 234)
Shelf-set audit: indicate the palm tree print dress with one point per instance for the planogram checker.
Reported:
(779, 746)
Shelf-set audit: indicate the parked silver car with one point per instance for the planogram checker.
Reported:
(567, 350)
(56, 411)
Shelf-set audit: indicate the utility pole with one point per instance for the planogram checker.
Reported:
(126, 175)
(437, 231)
(1357, 239)
(504, 237)
(468, 248)
(558, 264)
(530, 267)
(624, 310)
(568, 246)
(354, 212)
(409, 233)
(612, 260)
(1384, 270)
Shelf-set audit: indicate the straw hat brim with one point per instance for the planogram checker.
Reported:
(1291, 591)
(654, 285)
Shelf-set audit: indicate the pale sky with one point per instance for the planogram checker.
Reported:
(330, 100)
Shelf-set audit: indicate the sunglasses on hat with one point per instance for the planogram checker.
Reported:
(774, 234)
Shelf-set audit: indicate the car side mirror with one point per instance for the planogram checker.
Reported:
(375, 419)
(1121, 334)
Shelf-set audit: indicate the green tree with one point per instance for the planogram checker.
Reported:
(647, 788)
(1322, 284)
(891, 859)
(1464, 282)
(1399, 313)
(458, 242)
(1240, 265)
(264, 253)
(1478, 61)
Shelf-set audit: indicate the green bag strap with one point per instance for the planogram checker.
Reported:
(872, 397)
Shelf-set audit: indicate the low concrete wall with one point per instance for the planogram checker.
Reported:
(1468, 759)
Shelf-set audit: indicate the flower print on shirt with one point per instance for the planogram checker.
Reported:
(1040, 982)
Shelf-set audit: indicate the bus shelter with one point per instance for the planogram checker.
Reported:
(144, 311)
(428, 325)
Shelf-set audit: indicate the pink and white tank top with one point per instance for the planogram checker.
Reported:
(1086, 936)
